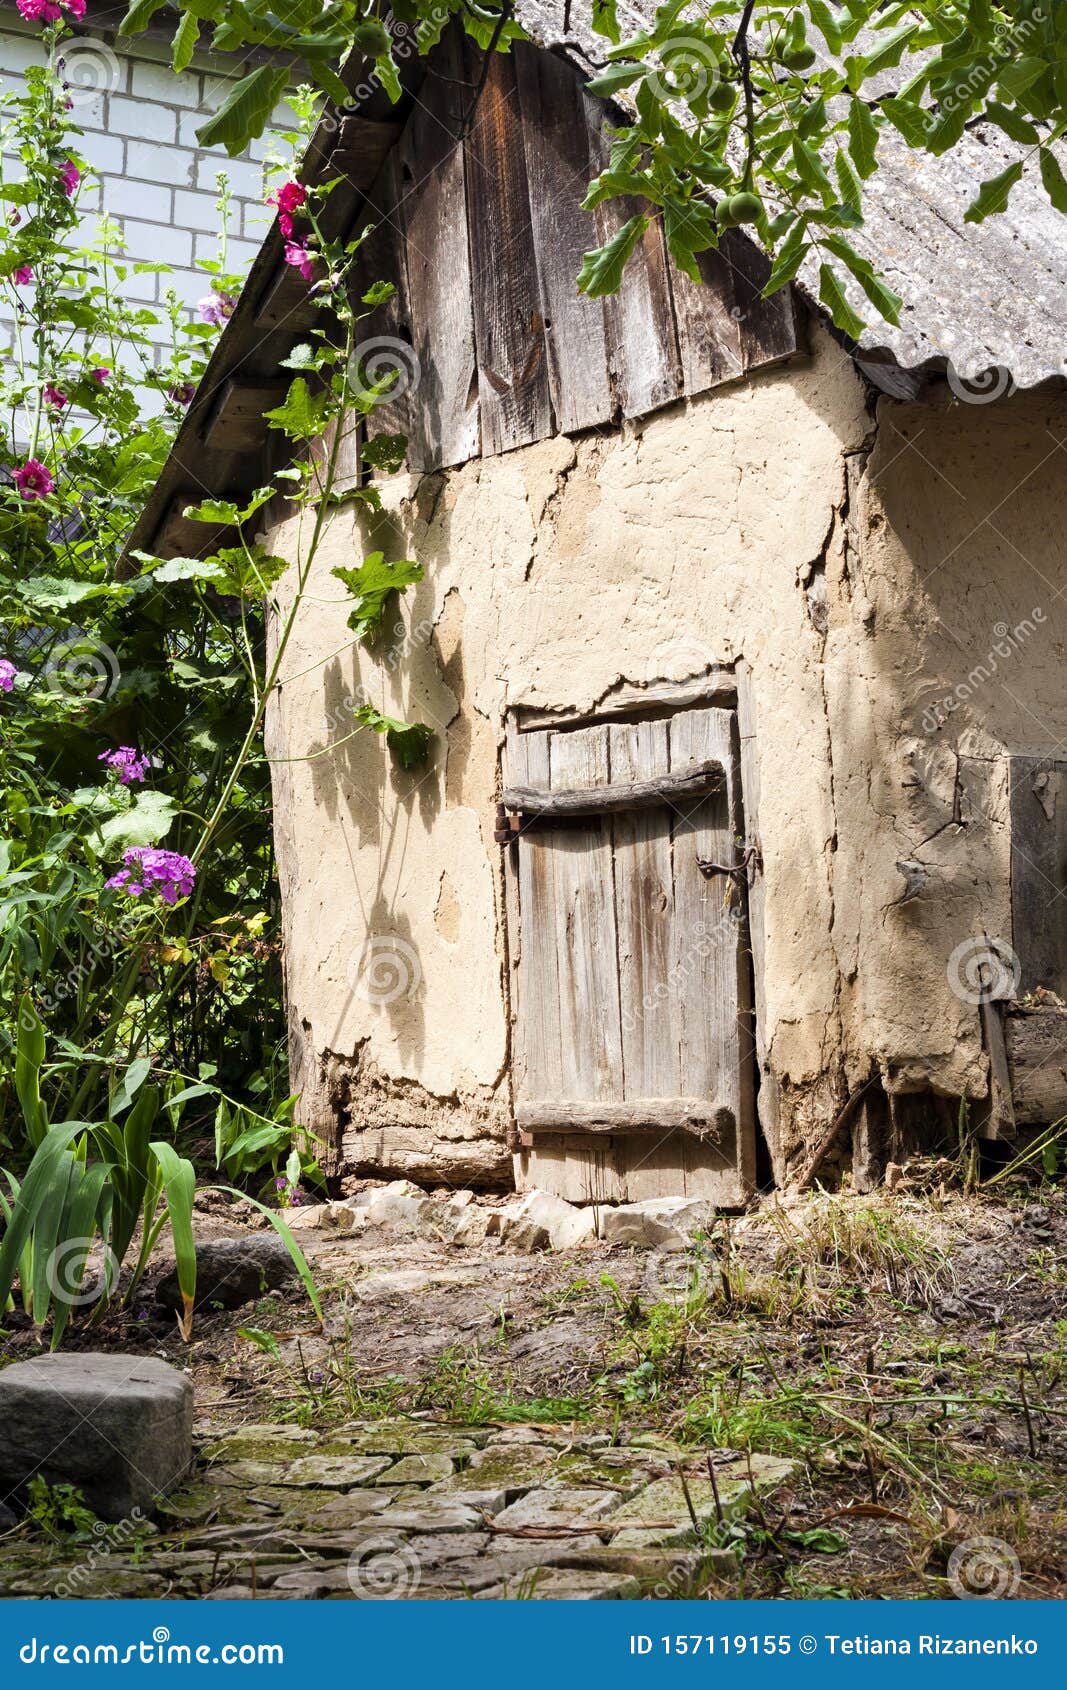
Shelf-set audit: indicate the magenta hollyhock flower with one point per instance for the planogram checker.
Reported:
(297, 254)
(166, 872)
(76, 8)
(33, 480)
(216, 308)
(54, 395)
(101, 373)
(290, 197)
(23, 276)
(127, 763)
(70, 176)
(8, 671)
(43, 11)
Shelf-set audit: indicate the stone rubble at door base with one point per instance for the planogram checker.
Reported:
(535, 1221)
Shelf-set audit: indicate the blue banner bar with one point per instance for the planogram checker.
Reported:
(536, 1645)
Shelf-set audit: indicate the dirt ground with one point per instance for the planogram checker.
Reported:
(902, 1356)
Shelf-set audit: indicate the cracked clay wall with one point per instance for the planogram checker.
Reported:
(851, 560)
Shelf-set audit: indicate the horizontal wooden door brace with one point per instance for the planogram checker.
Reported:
(658, 1114)
(696, 781)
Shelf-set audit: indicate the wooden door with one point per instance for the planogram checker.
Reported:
(631, 1006)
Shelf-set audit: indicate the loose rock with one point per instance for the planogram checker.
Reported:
(233, 1271)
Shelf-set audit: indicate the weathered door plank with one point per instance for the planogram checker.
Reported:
(558, 167)
(1037, 799)
(513, 388)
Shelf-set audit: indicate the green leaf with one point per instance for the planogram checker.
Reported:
(220, 512)
(602, 269)
(179, 1184)
(832, 296)
(849, 185)
(140, 15)
(303, 415)
(880, 296)
(823, 18)
(51, 593)
(185, 39)
(789, 259)
(41, 1176)
(371, 585)
(386, 452)
(130, 1084)
(244, 115)
(615, 77)
(862, 138)
(147, 822)
(29, 1058)
(605, 19)
(409, 744)
(1053, 179)
(992, 196)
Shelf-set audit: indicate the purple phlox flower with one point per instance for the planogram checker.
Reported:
(127, 762)
(8, 671)
(166, 872)
(216, 308)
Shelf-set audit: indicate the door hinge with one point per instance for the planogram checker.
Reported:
(753, 858)
(507, 828)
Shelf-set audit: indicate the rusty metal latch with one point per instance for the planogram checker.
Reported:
(508, 827)
(737, 871)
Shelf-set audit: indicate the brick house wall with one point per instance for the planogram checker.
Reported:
(140, 121)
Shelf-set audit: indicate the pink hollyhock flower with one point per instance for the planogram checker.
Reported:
(45, 11)
(76, 8)
(297, 254)
(8, 671)
(23, 276)
(54, 395)
(70, 176)
(290, 197)
(166, 872)
(216, 308)
(101, 373)
(127, 763)
(33, 480)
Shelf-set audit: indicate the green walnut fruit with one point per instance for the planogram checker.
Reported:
(723, 215)
(722, 97)
(745, 208)
(799, 58)
(372, 38)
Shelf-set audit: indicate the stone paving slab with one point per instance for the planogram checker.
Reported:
(420, 1509)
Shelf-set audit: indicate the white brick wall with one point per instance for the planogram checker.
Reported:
(140, 123)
